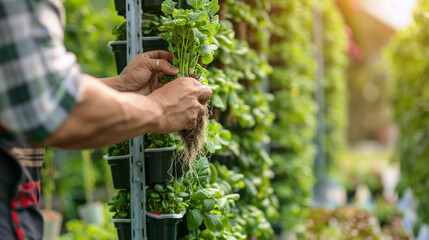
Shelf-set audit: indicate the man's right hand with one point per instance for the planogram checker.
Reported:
(181, 102)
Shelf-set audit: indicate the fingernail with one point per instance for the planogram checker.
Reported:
(174, 67)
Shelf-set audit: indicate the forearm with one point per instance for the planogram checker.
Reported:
(114, 82)
(105, 116)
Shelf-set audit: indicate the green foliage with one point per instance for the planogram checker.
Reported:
(335, 88)
(150, 25)
(409, 61)
(119, 149)
(78, 230)
(120, 204)
(386, 212)
(341, 223)
(49, 175)
(166, 198)
(293, 84)
(87, 33)
(190, 34)
(152, 140)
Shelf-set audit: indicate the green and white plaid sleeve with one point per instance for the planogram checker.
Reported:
(39, 80)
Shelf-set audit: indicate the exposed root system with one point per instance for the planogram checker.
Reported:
(193, 140)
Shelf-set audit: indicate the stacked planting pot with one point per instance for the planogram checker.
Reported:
(152, 6)
(160, 168)
(163, 226)
(119, 48)
(159, 162)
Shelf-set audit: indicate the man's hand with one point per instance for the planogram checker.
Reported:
(181, 102)
(143, 73)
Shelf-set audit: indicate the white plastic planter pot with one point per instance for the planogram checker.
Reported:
(51, 224)
(92, 213)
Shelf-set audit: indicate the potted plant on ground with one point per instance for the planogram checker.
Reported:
(92, 211)
(51, 219)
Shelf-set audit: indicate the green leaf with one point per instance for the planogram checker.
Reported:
(154, 195)
(164, 204)
(176, 22)
(123, 214)
(172, 49)
(208, 205)
(183, 194)
(233, 196)
(205, 193)
(223, 205)
(197, 16)
(196, 3)
(217, 102)
(194, 219)
(200, 36)
(205, 50)
(210, 147)
(159, 188)
(207, 235)
(168, 6)
(213, 223)
(212, 7)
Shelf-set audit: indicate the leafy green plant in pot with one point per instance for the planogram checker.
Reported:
(52, 219)
(153, 6)
(159, 158)
(190, 34)
(150, 39)
(121, 207)
(166, 207)
(118, 159)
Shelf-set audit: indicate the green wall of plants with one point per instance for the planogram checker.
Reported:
(258, 40)
(293, 85)
(335, 81)
(88, 28)
(408, 54)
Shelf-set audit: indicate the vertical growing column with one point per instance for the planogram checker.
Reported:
(137, 170)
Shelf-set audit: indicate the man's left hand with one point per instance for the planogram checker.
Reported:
(144, 72)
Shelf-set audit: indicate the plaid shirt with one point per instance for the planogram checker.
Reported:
(39, 81)
(39, 86)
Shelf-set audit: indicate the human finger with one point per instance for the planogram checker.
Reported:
(162, 65)
(202, 111)
(160, 54)
(205, 94)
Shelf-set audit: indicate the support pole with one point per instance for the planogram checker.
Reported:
(137, 161)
